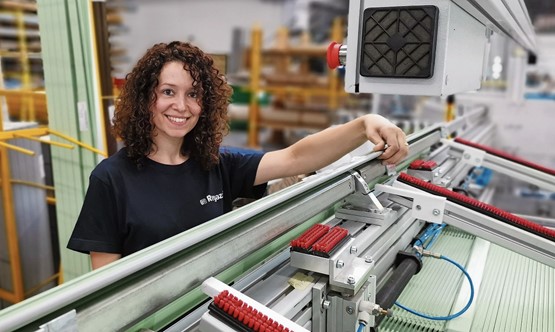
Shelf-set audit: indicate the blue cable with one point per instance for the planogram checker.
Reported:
(360, 327)
(450, 316)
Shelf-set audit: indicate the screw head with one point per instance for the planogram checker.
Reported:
(368, 259)
(339, 264)
(350, 310)
(354, 250)
(466, 156)
(326, 304)
(418, 207)
(351, 280)
(436, 212)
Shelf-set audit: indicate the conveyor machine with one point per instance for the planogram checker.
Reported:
(331, 253)
(336, 251)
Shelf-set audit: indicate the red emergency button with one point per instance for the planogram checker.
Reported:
(333, 55)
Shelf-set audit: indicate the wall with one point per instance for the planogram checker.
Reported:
(207, 23)
(546, 50)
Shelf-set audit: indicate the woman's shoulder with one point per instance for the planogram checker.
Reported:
(239, 156)
(238, 152)
(115, 164)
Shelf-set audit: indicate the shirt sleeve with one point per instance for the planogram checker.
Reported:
(97, 227)
(242, 166)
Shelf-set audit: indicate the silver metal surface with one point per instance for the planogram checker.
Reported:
(502, 165)
(496, 231)
(66, 322)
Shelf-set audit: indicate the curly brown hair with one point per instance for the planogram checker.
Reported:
(133, 118)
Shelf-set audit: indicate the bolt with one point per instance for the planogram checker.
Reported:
(418, 207)
(368, 259)
(353, 250)
(351, 280)
(326, 304)
(350, 310)
(436, 212)
(339, 264)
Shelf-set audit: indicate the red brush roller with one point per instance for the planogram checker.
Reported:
(326, 244)
(246, 316)
(310, 236)
(504, 155)
(478, 206)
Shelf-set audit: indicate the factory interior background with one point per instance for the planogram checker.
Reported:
(273, 53)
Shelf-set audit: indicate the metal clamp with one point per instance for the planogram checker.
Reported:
(428, 207)
(362, 187)
(470, 155)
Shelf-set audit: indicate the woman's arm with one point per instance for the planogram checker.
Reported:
(323, 148)
(99, 259)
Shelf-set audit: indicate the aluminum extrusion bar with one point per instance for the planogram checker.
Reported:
(493, 230)
(470, 118)
(507, 17)
(502, 165)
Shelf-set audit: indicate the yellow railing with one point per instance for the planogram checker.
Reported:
(17, 294)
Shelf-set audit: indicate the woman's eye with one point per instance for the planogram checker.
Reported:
(193, 94)
(167, 92)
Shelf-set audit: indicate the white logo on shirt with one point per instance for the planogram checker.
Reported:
(211, 198)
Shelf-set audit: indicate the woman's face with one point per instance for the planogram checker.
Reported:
(177, 109)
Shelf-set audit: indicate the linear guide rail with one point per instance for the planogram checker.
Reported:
(485, 221)
(480, 155)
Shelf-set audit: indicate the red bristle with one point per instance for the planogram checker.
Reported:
(476, 205)
(310, 236)
(236, 312)
(505, 155)
(416, 164)
(245, 314)
(429, 165)
(330, 240)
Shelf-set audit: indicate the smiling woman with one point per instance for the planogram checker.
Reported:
(172, 176)
(175, 113)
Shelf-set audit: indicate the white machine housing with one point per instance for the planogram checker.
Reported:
(460, 48)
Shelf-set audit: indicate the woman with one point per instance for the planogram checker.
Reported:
(171, 176)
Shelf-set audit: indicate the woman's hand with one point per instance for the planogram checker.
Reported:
(387, 137)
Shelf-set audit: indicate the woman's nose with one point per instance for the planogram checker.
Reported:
(180, 104)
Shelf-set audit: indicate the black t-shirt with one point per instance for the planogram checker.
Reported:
(127, 209)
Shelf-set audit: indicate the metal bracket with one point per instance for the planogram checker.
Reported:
(362, 187)
(428, 207)
(470, 155)
(65, 322)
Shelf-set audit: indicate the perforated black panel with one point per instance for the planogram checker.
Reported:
(398, 42)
